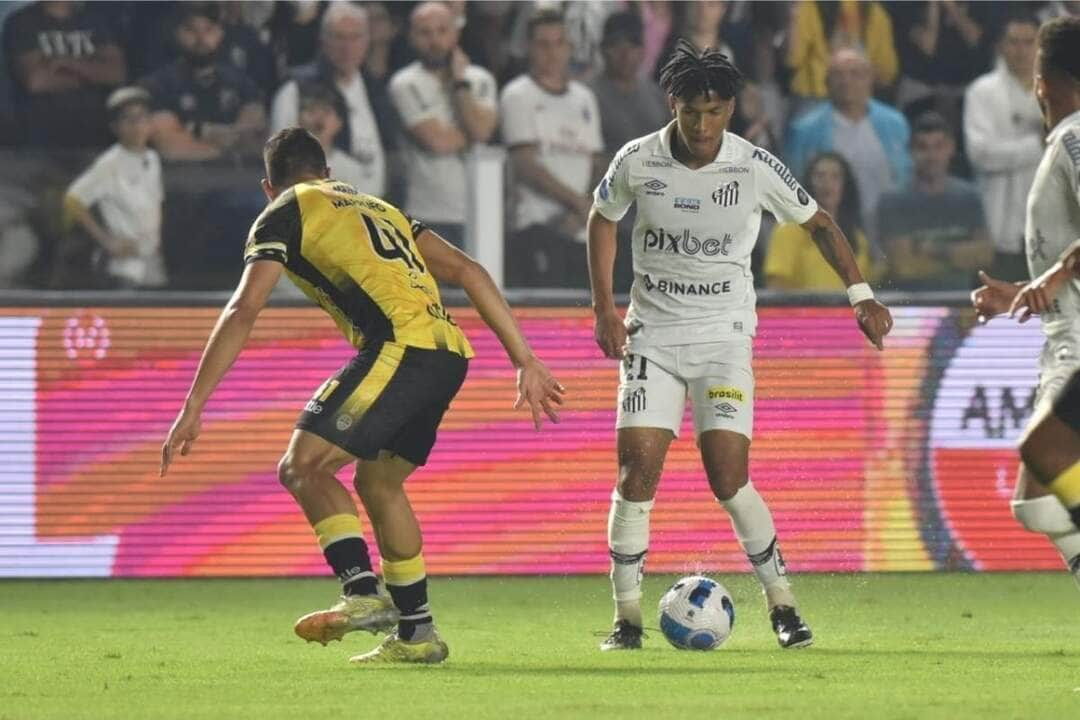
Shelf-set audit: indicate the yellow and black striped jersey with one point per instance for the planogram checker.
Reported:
(356, 256)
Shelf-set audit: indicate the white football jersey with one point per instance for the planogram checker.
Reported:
(694, 233)
(1053, 220)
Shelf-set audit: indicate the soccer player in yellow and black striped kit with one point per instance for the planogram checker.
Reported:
(374, 271)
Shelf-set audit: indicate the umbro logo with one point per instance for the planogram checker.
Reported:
(654, 187)
(725, 410)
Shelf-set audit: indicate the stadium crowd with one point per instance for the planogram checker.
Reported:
(130, 132)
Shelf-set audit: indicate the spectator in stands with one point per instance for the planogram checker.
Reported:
(872, 136)
(585, 28)
(551, 125)
(322, 113)
(64, 60)
(658, 18)
(123, 186)
(793, 261)
(446, 105)
(934, 233)
(943, 45)
(246, 42)
(1004, 133)
(819, 29)
(382, 56)
(343, 45)
(699, 22)
(630, 105)
(294, 30)
(488, 37)
(204, 108)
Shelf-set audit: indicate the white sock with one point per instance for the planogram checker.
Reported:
(753, 524)
(1046, 515)
(628, 541)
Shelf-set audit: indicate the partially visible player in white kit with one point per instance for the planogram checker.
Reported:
(1053, 224)
(689, 329)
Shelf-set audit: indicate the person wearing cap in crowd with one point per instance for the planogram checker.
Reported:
(117, 200)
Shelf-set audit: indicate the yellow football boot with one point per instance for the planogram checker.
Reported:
(393, 649)
(373, 613)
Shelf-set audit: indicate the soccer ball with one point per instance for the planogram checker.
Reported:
(696, 613)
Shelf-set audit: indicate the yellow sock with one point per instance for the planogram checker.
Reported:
(337, 527)
(1067, 486)
(403, 572)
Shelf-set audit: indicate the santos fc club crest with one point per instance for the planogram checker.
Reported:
(726, 194)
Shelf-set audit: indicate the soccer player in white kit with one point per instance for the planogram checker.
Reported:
(700, 192)
(1053, 224)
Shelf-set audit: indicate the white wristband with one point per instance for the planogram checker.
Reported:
(858, 292)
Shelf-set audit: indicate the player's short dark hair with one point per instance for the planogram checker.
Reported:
(291, 154)
(931, 121)
(544, 16)
(691, 72)
(1058, 43)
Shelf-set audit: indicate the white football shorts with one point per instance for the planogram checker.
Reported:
(1060, 358)
(718, 378)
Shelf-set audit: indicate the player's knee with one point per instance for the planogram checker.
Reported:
(294, 471)
(726, 483)
(637, 484)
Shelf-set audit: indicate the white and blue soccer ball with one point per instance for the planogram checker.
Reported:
(696, 613)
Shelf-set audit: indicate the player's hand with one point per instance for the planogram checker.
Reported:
(874, 320)
(993, 297)
(1037, 296)
(182, 435)
(540, 390)
(610, 333)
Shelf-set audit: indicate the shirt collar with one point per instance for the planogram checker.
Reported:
(1066, 122)
(725, 155)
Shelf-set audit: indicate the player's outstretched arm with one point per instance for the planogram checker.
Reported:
(226, 341)
(874, 319)
(1038, 295)
(608, 328)
(536, 386)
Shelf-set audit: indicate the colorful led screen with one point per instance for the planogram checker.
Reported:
(901, 460)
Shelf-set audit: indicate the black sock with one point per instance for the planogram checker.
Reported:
(349, 560)
(412, 601)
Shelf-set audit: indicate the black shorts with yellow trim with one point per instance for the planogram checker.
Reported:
(388, 397)
(1067, 404)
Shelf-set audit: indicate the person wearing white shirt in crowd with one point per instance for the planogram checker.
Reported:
(700, 192)
(446, 105)
(343, 45)
(1004, 132)
(551, 125)
(124, 186)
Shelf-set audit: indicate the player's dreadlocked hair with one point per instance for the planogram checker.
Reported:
(691, 72)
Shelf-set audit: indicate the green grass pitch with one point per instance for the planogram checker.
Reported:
(888, 646)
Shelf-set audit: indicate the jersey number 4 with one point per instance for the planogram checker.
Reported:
(388, 242)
